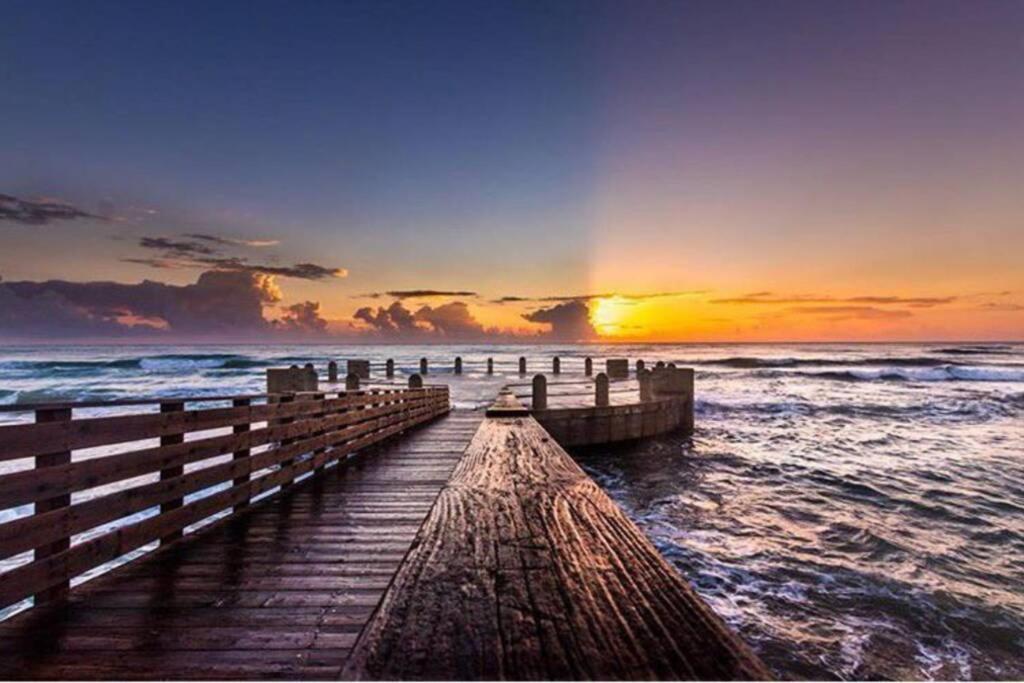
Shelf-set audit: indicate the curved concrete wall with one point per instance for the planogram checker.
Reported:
(609, 424)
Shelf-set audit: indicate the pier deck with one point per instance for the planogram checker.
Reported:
(280, 591)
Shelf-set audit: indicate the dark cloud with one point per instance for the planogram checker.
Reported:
(302, 317)
(569, 321)
(231, 241)
(452, 321)
(393, 320)
(591, 297)
(770, 298)
(425, 293)
(39, 211)
(219, 304)
(175, 248)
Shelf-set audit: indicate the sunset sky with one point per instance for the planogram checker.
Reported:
(665, 171)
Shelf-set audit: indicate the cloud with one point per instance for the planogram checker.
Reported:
(452, 321)
(1005, 307)
(853, 312)
(591, 297)
(569, 321)
(302, 317)
(39, 211)
(175, 248)
(420, 293)
(232, 241)
(770, 298)
(218, 304)
(181, 255)
(393, 320)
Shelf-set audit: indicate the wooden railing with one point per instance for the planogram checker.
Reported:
(208, 463)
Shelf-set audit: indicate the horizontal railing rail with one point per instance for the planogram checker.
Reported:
(104, 487)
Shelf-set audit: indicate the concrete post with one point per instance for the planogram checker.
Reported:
(556, 365)
(389, 368)
(352, 382)
(588, 366)
(522, 365)
(332, 372)
(601, 397)
(640, 365)
(423, 366)
(415, 382)
(490, 366)
(643, 377)
(540, 392)
(458, 365)
(659, 365)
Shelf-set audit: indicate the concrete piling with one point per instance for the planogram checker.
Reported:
(640, 365)
(643, 377)
(352, 382)
(601, 397)
(359, 367)
(540, 392)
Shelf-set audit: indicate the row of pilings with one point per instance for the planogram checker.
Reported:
(616, 368)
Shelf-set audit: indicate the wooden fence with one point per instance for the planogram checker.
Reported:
(196, 471)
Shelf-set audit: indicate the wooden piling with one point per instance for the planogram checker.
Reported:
(490, 366)
(415, 381)
(522, 365)
(540, 392)
(389, 368)
(640, 365)
(423, 366)
(643, 378)
(588, 366)
(556, 366)
(352, 382)
(332, 372)
(601, 396)
(458, 365)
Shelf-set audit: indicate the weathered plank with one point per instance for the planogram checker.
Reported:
(525, 569)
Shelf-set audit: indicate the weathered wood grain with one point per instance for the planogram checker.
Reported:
(525, 569)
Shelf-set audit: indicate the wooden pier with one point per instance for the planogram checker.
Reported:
(368, 534)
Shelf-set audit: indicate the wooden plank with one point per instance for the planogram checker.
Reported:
(525, 569)
(24, 440)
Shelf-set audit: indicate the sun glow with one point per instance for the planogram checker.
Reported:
(609, 316)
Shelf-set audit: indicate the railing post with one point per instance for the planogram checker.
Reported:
(556, 365)
(540, 392)
(423, 366)
(458, 365)
(588, 366)
(522, 365)
(601, 390)
(389, 368)
(319, 431)
(490, 366)
(286, 398)
(171, 472)
(55, 459)
(241, 453)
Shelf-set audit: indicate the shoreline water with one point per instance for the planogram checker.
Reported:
(853, 509)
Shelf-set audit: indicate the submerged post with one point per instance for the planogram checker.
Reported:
(423, 366)
(522, 365)
(389, 368)
(458, 365)
(352, 382)
(601, 390)
(588, 366)
(332, 372)
(556, 365)
(415, 381)
(490, 366)
(540, 392)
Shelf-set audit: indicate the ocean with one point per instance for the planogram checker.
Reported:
(855, 511)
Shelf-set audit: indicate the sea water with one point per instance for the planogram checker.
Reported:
(854, 511)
